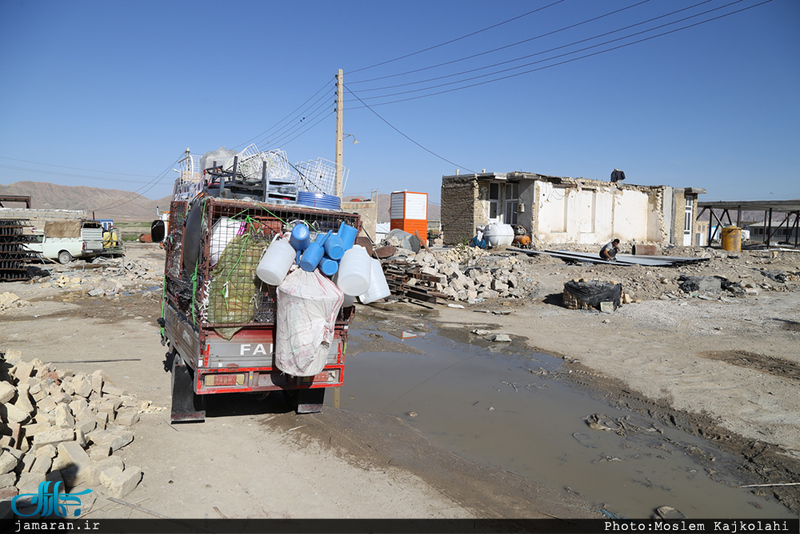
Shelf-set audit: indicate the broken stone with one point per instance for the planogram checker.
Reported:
(82, 386)
(29, 482)
(7, 392)
(106, 475)
(12, 414)
(500, 338)
(48, 404)
(23, 370)
(7, 480)
(78, 469)
(125, 482)
(115, 438)
(130, 416)
(53, 437)
(8, 462)
(64, 418)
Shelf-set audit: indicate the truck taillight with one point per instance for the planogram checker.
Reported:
(330, 376)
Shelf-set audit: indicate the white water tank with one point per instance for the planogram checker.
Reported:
(499, 235)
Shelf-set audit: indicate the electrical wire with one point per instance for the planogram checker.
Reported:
(265, 132)
(140, 192)
(406, 136)
(517, 43)
(457, 38)
(520, 58)
(554, 64)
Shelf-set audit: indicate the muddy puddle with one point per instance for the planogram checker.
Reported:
(497, 404)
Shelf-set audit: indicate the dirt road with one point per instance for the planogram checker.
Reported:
(725, 369)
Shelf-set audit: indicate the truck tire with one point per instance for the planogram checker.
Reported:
(64, 257)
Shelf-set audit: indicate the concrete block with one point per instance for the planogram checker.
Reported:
(114, 437)
(97, 379)
(23, 370)
(13, 356)
(79, 469)
(48, 451)
(111, 389)
(98, 452)
(78, 405)
(82, 386)
(80, 438)
(125, 482)
(47, 404)
(7, 392)
(37, 392)
(64, 417)
(85, 425)
(41, 464)
(8, 462)
(53, 437)
(129, 401)
(29, 482)
(127, 417)
(61, 397)
(106, 475)
(11, 414)
(23, 401)
(102, 420)
(7, 480)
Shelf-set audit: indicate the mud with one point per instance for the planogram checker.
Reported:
(747, 461)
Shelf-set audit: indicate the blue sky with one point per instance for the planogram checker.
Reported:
(110, 94)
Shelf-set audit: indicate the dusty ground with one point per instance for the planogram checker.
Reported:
(722, 366)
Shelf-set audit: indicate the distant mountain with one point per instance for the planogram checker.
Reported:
(103, 203)
(127, 206)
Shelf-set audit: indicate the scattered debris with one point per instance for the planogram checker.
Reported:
(57, 425)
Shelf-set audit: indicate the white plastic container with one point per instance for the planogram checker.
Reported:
(499, 235)
(378, 288)
(224, 230)
(276, 261)
(355, 271)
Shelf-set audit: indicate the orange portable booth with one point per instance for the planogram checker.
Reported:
(409, 212)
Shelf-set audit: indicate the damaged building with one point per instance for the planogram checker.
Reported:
(555, 210)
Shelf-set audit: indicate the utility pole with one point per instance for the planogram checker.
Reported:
(339, 130)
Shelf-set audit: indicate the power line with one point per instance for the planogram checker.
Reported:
(63, 167)
(140, 192)
(404, 135)
(549, 59)
(506, 46)
(456, 39)
(285, 118)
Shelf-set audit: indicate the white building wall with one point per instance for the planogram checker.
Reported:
(634, 217)
(590, 216)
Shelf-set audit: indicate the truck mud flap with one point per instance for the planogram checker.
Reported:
(310, 400)
(186, 406)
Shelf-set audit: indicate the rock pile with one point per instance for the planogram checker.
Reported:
(10, 301)
(471, 274)
(56, 425)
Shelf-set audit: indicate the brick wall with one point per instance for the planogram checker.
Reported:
(369, 215)
(459, 198)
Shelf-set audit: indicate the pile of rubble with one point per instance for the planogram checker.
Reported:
(56, 425)
(104, 277)
(471, 274)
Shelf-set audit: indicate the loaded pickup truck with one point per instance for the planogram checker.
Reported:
(68, 240)
(224, 325)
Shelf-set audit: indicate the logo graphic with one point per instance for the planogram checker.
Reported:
(49, 502)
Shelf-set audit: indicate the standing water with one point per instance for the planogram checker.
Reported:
(496, 406)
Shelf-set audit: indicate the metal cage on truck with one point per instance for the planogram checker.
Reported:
(219, 317)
